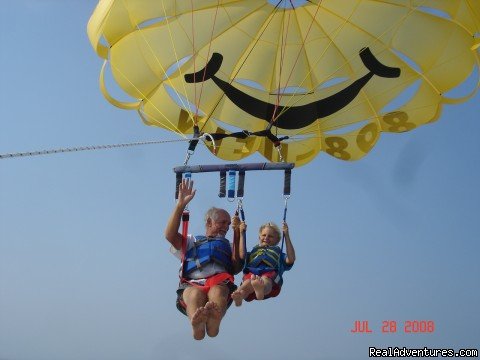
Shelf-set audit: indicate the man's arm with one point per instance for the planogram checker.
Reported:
(237, 246)
(185, 195)
(171, 231)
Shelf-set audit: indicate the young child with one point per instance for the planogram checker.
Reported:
(262, 279)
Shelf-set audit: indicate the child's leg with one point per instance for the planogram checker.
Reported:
(242, 292)
(268, 284)
(262, 286)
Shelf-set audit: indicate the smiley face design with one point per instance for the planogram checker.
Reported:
(295, 117)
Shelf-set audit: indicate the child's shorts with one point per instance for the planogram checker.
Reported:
(275, 286)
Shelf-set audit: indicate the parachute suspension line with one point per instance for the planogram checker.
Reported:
(196, 135)
(196, 129)
(172, 42)
(173, 128)
(86, 148)
(284, 34)
(245, 133)
(286, 107)
(194, 69)
(208, 57)
(243, 63)
(283, 44)
(168, 78)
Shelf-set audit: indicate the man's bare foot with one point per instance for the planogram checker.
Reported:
(199, 321)
(215, 315)
(237, 297)
(258, 286)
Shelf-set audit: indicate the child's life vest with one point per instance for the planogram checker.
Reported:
(263, 259)
(207, 250)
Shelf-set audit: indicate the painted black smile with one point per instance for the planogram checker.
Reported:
(295, 117)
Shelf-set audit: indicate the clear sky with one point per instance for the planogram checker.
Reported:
(85, 272)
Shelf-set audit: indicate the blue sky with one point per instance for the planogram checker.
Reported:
(85, 272)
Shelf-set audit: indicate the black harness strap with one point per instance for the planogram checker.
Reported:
(245, 133)
(287, 182)
(223, 184)
(241, 184)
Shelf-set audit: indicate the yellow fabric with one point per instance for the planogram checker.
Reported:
(151, 44)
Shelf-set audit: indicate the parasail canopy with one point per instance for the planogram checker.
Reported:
(317, 75)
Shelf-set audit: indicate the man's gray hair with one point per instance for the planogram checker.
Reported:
(213, 212)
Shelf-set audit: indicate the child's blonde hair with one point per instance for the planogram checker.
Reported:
(272, 226)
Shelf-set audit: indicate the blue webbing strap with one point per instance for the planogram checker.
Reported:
(280, 263)
(232, 174)
(244, 233)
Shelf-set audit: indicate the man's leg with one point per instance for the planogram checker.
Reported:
(216, 306)
(195, 300)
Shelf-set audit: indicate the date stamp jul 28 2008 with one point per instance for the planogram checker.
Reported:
(393, 326)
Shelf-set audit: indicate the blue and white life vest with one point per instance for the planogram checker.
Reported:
(207, 250)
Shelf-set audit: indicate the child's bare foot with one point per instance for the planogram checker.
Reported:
(258, 286)
(199, 321)
(237, 297)
(214, 317)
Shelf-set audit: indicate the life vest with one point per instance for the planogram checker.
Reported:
(264, 258)
(206, 250)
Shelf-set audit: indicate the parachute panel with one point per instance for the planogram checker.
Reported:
(330, 75)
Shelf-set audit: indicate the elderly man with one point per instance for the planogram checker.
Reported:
(209, 264)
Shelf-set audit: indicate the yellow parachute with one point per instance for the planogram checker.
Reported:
(316, 75)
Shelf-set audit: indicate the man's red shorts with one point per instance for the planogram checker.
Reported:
(205, 285)
(275, 287)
